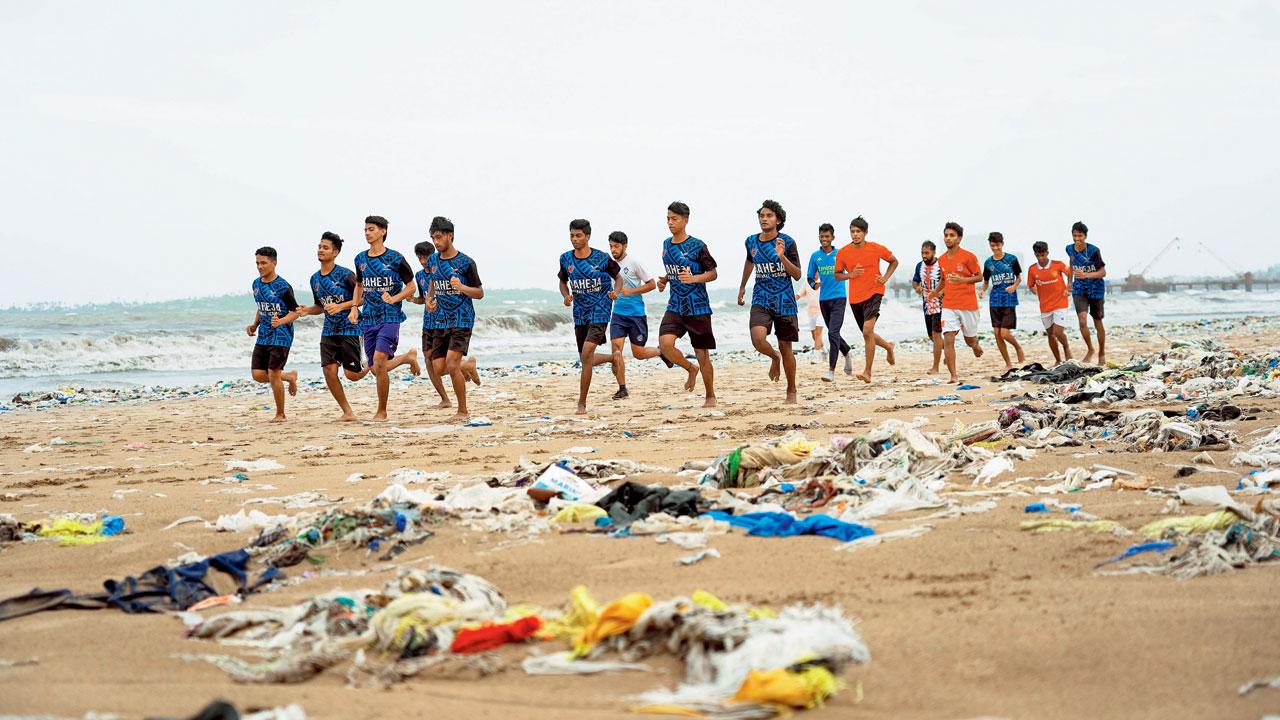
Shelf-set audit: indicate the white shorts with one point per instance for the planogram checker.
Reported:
(964, 322)
(1058, 317)
(815, 322)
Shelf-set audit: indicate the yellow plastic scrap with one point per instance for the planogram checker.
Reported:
(668, 710)
(1190, 524)
(70, 531)
(1060, 525)
(804, 689)
(578, 513)
(583, 610)
(708, 601)
(799, 446)
(616, 618)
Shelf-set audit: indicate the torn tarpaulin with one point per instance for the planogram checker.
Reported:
(773, 524)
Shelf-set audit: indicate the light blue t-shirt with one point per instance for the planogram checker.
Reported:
(822, 266)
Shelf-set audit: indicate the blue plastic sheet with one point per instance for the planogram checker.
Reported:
(775, 524)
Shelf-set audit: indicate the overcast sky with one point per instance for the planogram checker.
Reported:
(149, 147)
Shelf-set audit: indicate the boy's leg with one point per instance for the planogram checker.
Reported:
(334, 383)
(452, 366)
(708, 376)
(760, 323)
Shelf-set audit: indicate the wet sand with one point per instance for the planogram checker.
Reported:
(975, 618)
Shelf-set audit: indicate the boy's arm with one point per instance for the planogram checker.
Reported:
(747, 267)
(252, 328)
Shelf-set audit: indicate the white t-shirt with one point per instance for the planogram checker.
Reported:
(633, 275)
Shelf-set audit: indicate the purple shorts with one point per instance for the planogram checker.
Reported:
(381, 338)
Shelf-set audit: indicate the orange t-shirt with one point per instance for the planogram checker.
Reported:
(868, 258)
(959, 296)
(1049, 284)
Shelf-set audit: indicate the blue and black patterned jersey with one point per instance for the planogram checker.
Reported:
(387, 272)
(430, 320)
(274, 299)
(1087, 260)
(692, 254)
(590, 279)
(773, 290)
(453, 309)
(337, 287)
(1001, 274)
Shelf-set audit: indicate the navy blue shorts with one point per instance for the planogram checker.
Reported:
(381, 338)
(633, 327)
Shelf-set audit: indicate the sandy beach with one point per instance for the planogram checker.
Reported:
(974, 618)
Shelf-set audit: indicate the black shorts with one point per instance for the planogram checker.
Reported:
(866, 310)
(269, 357)
(590, 333)
(701, 335)
(784, 327)
(1092, 305)
(1004, 317)
(341, 350)
(447, 340)
(932, 324)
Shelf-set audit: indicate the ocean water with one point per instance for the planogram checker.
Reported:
(180, 342)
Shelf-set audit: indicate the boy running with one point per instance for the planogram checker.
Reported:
(454, 283)
(588, 278)
(927, 279)
(333, 290)
(687, 267)
(273, 324)
(1002, 274)
(425, 251)
(832, 296)
(629, 321)
(1048, 281)
(859, 263)
(776, 262)
(383, 280)
(960, 272)
(1088, 290)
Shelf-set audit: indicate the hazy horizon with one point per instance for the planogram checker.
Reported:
(158, 145)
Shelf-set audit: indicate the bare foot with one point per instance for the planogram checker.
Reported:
(582, 410)
(460, 417)
(888, 353)
(977, 351)
(693, 378)
(711, 402)
(864, 377)
(1088, 357)
(954, 380)
(348, 417)
(379, 417)
(278, 418)
(1102, 359)
(775, 369)
(470, 372)
(1008, 366)
(293, 386)
(791, 399)
(444, 403)
(934, 371)
(1022, 359)
(414, 367)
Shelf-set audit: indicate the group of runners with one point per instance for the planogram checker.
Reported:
(605, 291)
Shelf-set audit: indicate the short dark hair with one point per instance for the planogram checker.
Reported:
(1040, 246)
(859, 222)
(679, 208)
(995, 236)
(618, 236)
(929, 244)
(1080, 227)
(440, 224)
(776, 207)
(376, 220)
(266, 251)
(581, 224)
(424, 249)
(333, 239)
(953, 225)
(826, 228)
